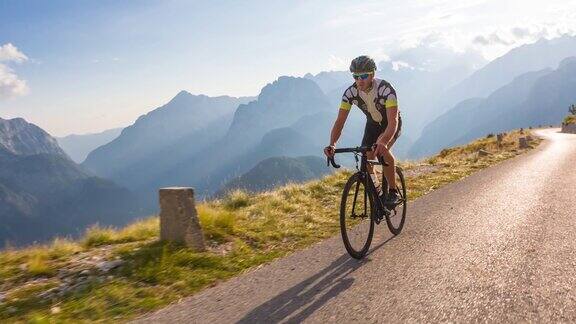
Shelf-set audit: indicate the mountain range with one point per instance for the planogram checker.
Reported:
(43, 193)
(187, 143)
(545, 53)
(162, 137)
(531, 99)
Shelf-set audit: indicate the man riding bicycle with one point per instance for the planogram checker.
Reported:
(377, 100)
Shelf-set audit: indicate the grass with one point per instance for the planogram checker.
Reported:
(241, 231)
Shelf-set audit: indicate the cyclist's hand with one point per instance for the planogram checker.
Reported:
(380, 148)
(329, 151)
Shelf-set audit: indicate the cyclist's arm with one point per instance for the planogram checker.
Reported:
(338, 125)
(391, 108)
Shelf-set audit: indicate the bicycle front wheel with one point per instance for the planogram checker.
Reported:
(356, 221)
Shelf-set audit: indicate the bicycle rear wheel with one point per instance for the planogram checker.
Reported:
(356, 221)
(397, 216)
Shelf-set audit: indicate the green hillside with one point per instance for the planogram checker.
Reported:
(275, 171)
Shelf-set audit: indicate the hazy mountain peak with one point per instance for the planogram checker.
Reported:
(279, 104)
(288, 86)
(160, 129)
(183, 93)
(330, 80)
(567, 61)
(19, 137)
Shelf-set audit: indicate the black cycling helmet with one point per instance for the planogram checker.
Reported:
(362, 63)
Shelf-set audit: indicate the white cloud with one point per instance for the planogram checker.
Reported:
(10, 84)
(9, 52)
(397, 65)
(496, 42)
(431, 51)
(380, 55)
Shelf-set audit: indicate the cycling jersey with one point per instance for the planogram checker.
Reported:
(374, 103)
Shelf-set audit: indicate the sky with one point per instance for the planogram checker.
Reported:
(75, 67)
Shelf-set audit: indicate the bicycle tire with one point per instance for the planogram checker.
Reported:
(351, 228)
(401, 187)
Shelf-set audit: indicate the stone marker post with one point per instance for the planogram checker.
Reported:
(570, 128)
(522, 143)
(179, 219)
(499, 139)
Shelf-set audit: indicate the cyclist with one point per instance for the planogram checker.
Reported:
(377, 100)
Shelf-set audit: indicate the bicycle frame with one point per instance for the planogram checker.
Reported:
(365, 176)
(378, 207)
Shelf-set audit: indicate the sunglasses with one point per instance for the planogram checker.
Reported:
(362, 76)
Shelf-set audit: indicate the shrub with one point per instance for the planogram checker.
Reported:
(96, 236)
(217, 224)
(38, 264)
(570, 119)
(237, 199)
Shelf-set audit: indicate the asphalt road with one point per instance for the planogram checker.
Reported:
(498, 246)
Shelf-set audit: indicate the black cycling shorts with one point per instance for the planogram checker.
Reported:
(373, 130)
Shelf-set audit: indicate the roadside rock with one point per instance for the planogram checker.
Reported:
(109, 265)
(420, 170)
(571, 129)
(482, 152)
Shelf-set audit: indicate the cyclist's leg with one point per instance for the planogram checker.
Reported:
(390, 170)
(371, 133)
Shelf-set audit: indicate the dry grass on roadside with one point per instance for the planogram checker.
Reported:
(570, 119)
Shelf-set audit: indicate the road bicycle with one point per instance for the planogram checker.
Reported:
(361, 206)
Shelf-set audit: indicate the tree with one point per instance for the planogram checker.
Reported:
(572, 109)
